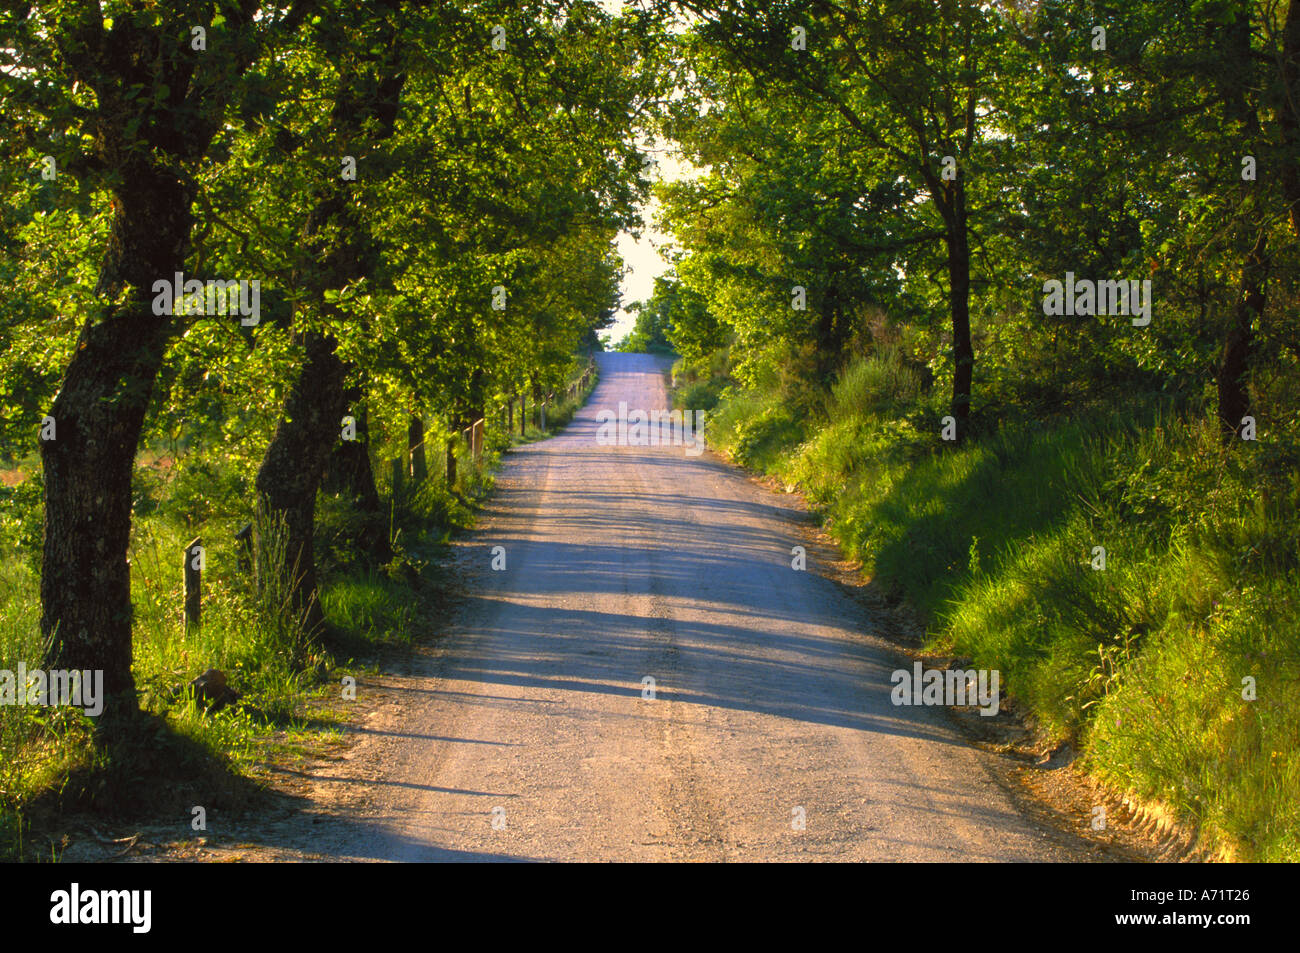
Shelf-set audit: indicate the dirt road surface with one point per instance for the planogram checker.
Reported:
(527, 734)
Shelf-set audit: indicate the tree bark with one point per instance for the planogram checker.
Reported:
(957, 240)
(351, 474)
(100, 408)
(478, 395)
(1233, 378)
(294, 465)
(1234, 362)
(415, 447)
(350, 471)
(88, 467)
(1288, 114)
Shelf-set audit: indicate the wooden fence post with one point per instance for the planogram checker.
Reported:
(415, 445)
(194, 559)
(244, 548)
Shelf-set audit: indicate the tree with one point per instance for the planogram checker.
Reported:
(147, 89)
(338, 251)
(911, 82)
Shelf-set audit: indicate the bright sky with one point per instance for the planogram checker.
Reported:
(642, 259)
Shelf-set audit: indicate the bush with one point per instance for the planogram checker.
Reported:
(875, 386)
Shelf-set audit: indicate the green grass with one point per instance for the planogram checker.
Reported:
(1140, 665)
(374, 606)
(55, 762)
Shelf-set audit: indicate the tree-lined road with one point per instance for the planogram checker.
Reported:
(526, 735)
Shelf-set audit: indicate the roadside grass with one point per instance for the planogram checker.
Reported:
(174, 756)
(699, 385)
(54, 763)
(1175, 670)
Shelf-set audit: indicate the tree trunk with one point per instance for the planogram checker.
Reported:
(415, 448)
(1288, 114)
(147, 142)
(477, 395)
(350, 472)
(1236, 84)
(88, 466)
(294, 465)
(963, 354)
(98, 415)
(1234, 363)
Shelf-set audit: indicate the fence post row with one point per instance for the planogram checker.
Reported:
(244, 548)
(418, 467)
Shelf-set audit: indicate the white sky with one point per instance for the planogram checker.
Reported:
(641, 258)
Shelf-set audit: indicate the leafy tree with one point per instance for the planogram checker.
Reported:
(140, 91)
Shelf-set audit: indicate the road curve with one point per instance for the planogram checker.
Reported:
(526, 735)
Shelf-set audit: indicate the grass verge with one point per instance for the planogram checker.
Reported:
(1135, 581)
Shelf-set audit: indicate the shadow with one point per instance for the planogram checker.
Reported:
(363, 730)
(330, 837)
(138, 768)
(633, 561)
(799, 677)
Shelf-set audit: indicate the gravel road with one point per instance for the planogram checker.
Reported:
(526, 734)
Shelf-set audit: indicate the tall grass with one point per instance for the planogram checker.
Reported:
(1145, 665)
(54, 760)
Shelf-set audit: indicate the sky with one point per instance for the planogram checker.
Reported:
(642, 259)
